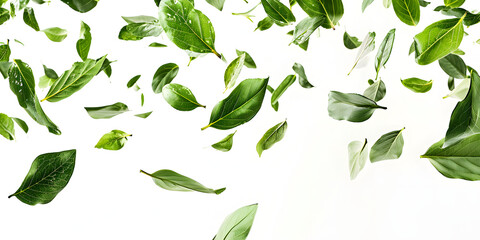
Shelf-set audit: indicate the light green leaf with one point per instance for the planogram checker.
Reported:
(225, 144)
(376, 91)
(271, 90)
(180, 97)
(83, 44)
(138, 31)
(387, 3)
(155, 44)
(272, 136)
(108, 111)
(249, 63)
(143, 115)
(454, 66)
(368, 45)
(461, 90)
(388, 146)
(7, 127)
(357, 157)
(140, 19)
(350, 42)
(163, 76)
(114, 140)
(417, 85)
(233, 71)
(29, 18)
(408, 11)
(55, 34)
(384, 51)
(237, 225)
(45, 82)
(302, 77)
(278, 12)
(351, 106)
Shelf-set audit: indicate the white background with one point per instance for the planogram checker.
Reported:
(302, 184)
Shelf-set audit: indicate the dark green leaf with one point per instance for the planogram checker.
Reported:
(408, 11)
(302, 77)
(225, 144)
(83, 44)
(233, 71)
(55, 34)
(332, 10)
(5, 52)
(384, 51)
(279, 13)
(376, 91)
(114, 140)
(286, 83)
(50, 72)
(132, 81)
(180, 97)
(264, 24)
(470, 18)
(21, 124)
(237, 225)
(388, 146)
(163, 76)
(82, 6)
(454, 66)
(305, 28)
(357, 157)
(417, 85)
(351, 106)
(48, 175)
(157, 2)
(424, 3)
(7, 127)
(155, 44)
(272, 136)
(144, 115)
(249, 63)
(108, 111)
(350, 42)
(451, 83)
(29, 18)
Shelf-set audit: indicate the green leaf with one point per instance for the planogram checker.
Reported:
(272, 136)
(187, 27)
(438, 40)
(74, 79)
(357, 157)
(417, 85)
(351, 106)
(461, 90)
(82, 6)
(264, 24)
(170, 180)
(5, 52)
(12, 10)
(108, 111)
(29, 18)
(138, 31)
(408, 11)
(454, 66)
(384, 51)
(451, 83)
(48, 175)
(142, 99)
(458, 51)
(368, 45)
(332, 10)
(350, 42)
(286, 83)
(376, 91)
(55, 34)
(240, 106)
(114, 140)
(305, 28)
(45, 82)
(464, 121)
(155, 44)
(469, 20)
(411, 49)
(157, 2)
(453, 3)
(84, 42)
(388, 146)
(460, 160)
(7, 127)
(249, 63)
(22, 84)
(302, 77)
(4, 15)
(106, 67)
(423, 3)
(143, 115)
(233, 71)
(217, 3)
(21, 124)
(163, 76)
(271, 90)
(180, 97)
(133, 80)
(237, 225)
(278, 12)
(365, 4)
(50, 73)
(140, 19)
(225, 144)
(387, 3)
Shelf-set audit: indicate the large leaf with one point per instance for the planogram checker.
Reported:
(376, 91)
(84, 42)
(454, 66)
(74, 79)
(357, 157)
(114, 140)
(237, 225)
(272, 136)
(180, 97)
(163, 76)
(170, 180)
(187, 27)
(438, 40)
(29, 18)
(350, 42)
(82, 6)
(48, 175)
(233, 71)
(388, 146)
(368, 45)
(351, 106)
(22, 84)
(332, 10)
(225, 144)
(279, 13)
(302, 77)
(107, 112)
(461, 160)
(7, 127)
(240, 106)
(417, 85)
(284, 85)
(305, 28)
(384, 51)
(408, 11)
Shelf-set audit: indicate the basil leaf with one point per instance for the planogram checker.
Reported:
(163, 76)
(278, 12)
(454, 66)
(453, 3)
(170, 180)
(143, 115)
(225, 144)
(7, 127)
(39, 1)
(4, 15)
(21, 124)
(133, 80)
(357, 157)
(264, 24)
(218, 4)
(50, 72)
(74, 79)
(83, 44)
(350, 42)
(237, 225)
(438, 40)
(29, 18)
(155, 44)
(332, 10)
(384, 51)
(240, 106)
(368, 45)
(272, 136)
(82, 6)
(351, 106)
(114, 140)
(249, 63)
(108, 111)
(5, 52)
(22, 84)
(271, 90)
(408, 11)
(302, 77)
(365, 4)
(459, 160)
(376, 91)
(180, 97)
(305, 28)
(55, 34)
(388, 146)
(286, 83)
(417, 85)
(233, 71)
(187, 27)
(48, 175)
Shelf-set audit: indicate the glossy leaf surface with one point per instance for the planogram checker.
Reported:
(180, 97)
(108, 111)
(55, 34)
(163, 76)
(225, 144)
(114, 140)
(417, 85)
(408, 11)
(272, 136)
(278, 12)
(351, 106)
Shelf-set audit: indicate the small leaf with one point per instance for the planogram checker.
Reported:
(140, 19)
(384, 51)
(48, 175)
(5, 52)
(81, 6)
(133, 80)
(264, 24)
(350, 42)
(45, 82)
(233, 71)
(144, 115)
(286, 83)
(83, 44)
(237, 225)
(351, 106)
(29, 18)
(218, 4)
(170, 180)
(368, 45)
(387, 3)
(114, 140)
(50, 73)
(408, 11)
(357, 157)
(139, 30)
(279, 13)
(55, 34)
(225, 144)
(249, 63)
(108, 111)
(365, 4)
(302, 77)
(376, 91)
(423, 3)
(7, 128)
(4, 15)
(155, 44)
(272, 136)
(180, 97)
(142, 100)
(451, 83)
(417, 85)
(454, 66)
(271, 90)
(163, 76)
(21, 124)
(388, 146)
